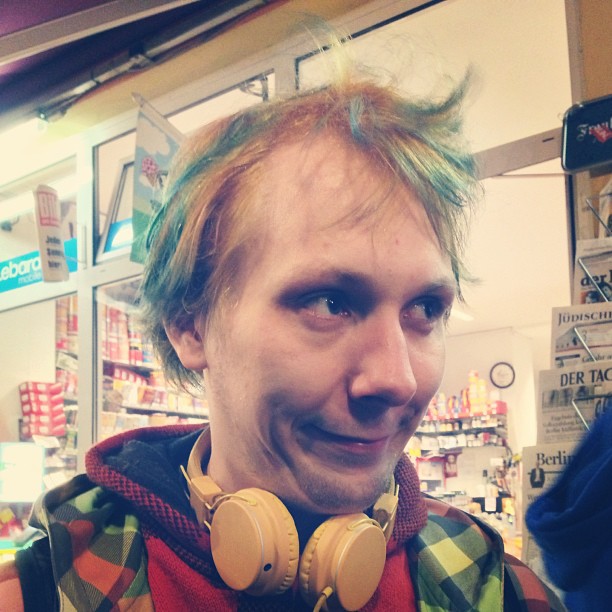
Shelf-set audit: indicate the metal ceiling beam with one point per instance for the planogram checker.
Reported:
(519, 154)
(79, 25)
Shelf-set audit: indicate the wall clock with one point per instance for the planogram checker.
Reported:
(502, 375)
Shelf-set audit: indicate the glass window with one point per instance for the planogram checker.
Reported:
(517, 51)
(242, 96)
(114, 186)
(133, 390)
(117, 235)
(116, 174)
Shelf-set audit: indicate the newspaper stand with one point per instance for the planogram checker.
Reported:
(587, 146)
(603, 297)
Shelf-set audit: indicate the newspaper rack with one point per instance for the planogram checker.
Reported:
(604, 297)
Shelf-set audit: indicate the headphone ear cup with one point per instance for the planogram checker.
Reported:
(254, 543)
(347, 555)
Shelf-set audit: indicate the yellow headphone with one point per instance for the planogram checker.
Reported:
(255, 546)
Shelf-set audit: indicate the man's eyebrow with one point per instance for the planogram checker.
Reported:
(311, 279)
(353, 280)
(443, 285)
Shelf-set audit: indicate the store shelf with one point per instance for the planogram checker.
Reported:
(179, 413)
(442, 436)
(145, 368)
(500, 431)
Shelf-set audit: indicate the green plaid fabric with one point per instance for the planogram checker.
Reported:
(457, 563)
(98, 553)
(100, 564)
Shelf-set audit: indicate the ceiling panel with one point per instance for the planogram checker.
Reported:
(53, 53)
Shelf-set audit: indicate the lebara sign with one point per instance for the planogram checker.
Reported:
(27, 269)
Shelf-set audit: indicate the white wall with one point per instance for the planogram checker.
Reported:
(28, 353)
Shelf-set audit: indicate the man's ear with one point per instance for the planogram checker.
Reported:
(188, 344)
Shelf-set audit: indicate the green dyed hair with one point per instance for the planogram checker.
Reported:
(207, 228)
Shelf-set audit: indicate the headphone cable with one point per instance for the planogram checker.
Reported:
(323, 597)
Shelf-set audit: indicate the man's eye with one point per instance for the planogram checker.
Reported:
(429, 310)
(327, 306)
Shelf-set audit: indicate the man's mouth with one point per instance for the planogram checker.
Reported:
(347, 444)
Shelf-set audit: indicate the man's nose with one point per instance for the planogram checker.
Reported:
(383, 366)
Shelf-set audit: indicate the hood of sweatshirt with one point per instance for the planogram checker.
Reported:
(143, 466)
(572, 521)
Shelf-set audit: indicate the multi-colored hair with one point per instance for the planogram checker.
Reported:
(208, 224)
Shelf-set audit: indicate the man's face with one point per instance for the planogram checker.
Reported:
(320, 370)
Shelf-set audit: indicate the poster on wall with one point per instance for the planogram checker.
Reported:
(157, 140)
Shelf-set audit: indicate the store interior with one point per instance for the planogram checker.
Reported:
(520, 250)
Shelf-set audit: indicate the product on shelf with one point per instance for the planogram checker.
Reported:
(66, 376)
(138, 389)
(135, 391)
(473, 401)
(61, 324)
(69, 380)
(473, 418)
(123, 340)
(42, 408)
(67, 324)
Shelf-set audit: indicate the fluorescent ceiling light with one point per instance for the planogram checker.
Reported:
(460, 315)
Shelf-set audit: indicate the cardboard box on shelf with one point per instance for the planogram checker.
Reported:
(41, 425)
(54, 419)
(47, 388)
(41, 404)
(127, 375)
(40, 397)
(39, 429)
(42, 407)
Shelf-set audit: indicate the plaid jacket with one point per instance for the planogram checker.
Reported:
(104, 557)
